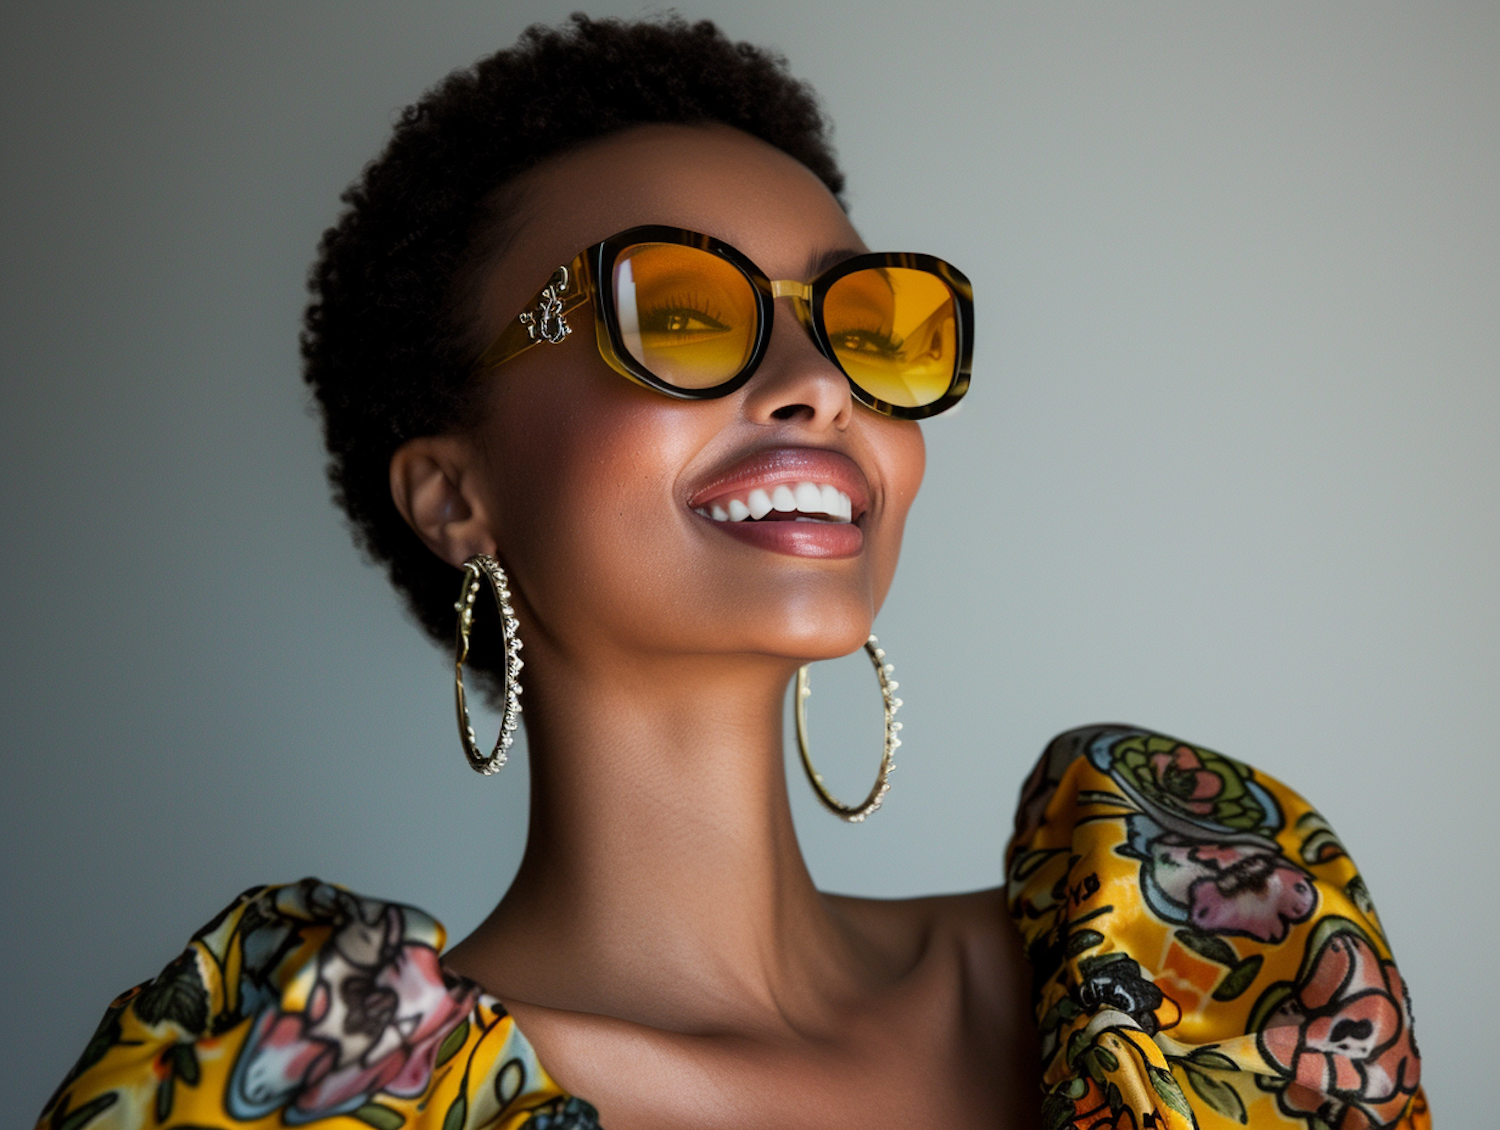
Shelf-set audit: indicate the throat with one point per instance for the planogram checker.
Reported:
(662, 881)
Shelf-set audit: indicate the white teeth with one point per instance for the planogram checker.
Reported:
(809, 501)
(760, 504)
(834, 502)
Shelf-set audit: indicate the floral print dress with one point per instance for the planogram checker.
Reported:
(1205, 956)
(308, 1004)
(1205, 953)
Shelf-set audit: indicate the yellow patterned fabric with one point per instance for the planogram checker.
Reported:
(1205, 953)
(1205, 956)
(307, 1004)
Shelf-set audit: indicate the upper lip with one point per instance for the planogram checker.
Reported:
(791, 465)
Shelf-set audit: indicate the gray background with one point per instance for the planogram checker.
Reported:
(1228, 468)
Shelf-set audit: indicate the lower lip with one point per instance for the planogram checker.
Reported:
(797, 539)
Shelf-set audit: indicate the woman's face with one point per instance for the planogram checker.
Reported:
(599, 495)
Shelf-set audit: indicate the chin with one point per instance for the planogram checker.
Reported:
(822, 635)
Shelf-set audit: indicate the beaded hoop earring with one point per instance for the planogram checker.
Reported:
(481, 565)
(888, 686)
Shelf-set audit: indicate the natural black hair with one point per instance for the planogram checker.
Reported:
(387, 343)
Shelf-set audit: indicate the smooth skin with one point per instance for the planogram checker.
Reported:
(663, 946)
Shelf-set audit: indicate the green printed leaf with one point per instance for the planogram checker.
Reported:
(164, 1098)
(1058, 1110)
(178, 995)
(1220, 1097)
(1206, 945)
(1211, 1060)
(379, 1116)
(1083, 940)
(1098, 796)
(1054, 1018)
(1164, 1083)
(1240, 978)
(1320, 843)
(1116, 1100)
(1116, 962)
(184, 1061)
(1077, 1045)
(451, 1045)
(1089, 1064)
(457, 1113)
(84, 1114)
(1322, 847)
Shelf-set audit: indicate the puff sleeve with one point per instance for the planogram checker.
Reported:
(1205, 953)
(302, 1005)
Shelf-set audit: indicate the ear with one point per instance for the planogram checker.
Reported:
(434, 485)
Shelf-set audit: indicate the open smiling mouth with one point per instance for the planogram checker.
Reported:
(803, 501)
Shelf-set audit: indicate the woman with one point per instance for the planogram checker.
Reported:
(676, 512)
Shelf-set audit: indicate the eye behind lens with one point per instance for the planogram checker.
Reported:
(895, 332)
(684, 314)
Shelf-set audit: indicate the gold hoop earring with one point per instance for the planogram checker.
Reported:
(481, 565)
(888, 687)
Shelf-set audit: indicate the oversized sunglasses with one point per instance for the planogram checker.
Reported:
(690, 316)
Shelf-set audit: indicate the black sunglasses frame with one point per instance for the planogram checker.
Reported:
(566, 291)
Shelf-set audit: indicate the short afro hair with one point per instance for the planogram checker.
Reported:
(387, 341)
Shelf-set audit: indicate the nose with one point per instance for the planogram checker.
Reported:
(794, 381)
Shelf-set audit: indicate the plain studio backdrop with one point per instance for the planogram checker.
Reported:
(1228, 468)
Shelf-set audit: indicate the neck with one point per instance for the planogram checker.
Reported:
(662, 881)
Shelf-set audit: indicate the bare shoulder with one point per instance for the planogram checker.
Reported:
(974, 921)
(966, 951)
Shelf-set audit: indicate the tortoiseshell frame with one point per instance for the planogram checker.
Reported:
(577, 283)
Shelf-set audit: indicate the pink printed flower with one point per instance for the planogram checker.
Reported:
(1181, 774)
(1343, 1039)
(374, 1021)
(1233, 888)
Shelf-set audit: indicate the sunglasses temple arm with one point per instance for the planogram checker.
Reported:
(544, 318)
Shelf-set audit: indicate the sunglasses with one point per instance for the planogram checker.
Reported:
(690, 316)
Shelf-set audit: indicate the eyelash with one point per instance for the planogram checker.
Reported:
(688, 304)
(693, 306)
(881, 340)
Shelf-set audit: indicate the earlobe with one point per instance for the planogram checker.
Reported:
(431, 485)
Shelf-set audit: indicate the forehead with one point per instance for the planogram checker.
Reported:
(711, 179)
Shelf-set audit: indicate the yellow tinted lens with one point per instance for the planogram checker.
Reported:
(684, 313)
(895, 332)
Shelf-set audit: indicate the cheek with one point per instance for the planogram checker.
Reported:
(902, 454)
(909, 458)
(583, 488)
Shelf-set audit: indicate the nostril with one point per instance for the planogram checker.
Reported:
(792, 411)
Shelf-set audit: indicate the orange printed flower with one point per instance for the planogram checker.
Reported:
(1343, 1039)
(373, 1023)
(1169, 777)
(1181, 773)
